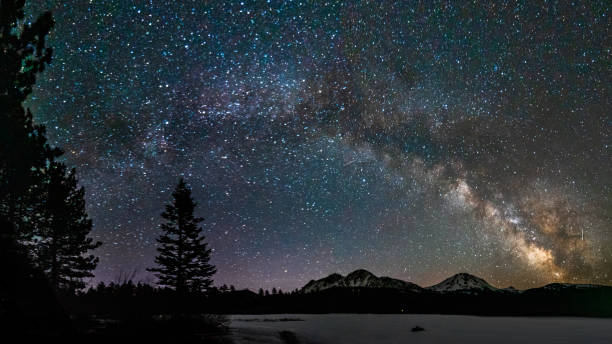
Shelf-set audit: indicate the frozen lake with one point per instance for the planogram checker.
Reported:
(396, 328)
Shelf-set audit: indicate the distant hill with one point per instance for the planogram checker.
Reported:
(458, 283)
(358, 279)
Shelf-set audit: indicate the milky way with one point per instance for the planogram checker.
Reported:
(412, 139)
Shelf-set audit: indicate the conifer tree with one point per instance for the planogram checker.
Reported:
(24, 151)
(183, 259)
(24, 155)
(65, 242)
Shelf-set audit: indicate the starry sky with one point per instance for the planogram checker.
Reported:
(415, 139)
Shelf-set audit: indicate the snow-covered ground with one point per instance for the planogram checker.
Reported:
(396, 328)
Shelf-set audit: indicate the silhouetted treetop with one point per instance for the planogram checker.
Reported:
(183, 260)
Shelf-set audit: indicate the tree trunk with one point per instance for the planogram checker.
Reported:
(54, 268)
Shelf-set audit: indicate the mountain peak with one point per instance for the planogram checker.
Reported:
(359, 279)
(462, 282)
(360, 273)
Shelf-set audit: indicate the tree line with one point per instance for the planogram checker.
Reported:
(41, 206)
(43, 219)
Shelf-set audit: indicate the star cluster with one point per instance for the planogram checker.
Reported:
(415, 139)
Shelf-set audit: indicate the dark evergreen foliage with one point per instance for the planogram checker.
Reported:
(24, 151)
(37, 196)
(24, 53)
(183, 260)
(62, 252)
(27, 302)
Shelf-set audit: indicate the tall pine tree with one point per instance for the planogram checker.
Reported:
(24, 156)
(183, 260)
(24, 151)
(37, 196)
(65, 242)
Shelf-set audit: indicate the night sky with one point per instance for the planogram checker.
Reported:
(413, 139)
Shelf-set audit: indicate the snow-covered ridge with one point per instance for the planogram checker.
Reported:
(462, 281)
(358, 278)
(330, 281)
(365, 279)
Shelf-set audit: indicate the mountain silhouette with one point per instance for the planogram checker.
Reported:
(462, 282)
(459, 283)
(358, 279)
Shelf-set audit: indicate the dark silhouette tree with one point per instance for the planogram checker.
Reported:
(183, 260)
(25, 295)
(24, 151)
(63, 250)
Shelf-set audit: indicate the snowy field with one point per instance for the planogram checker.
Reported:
(396, 328)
